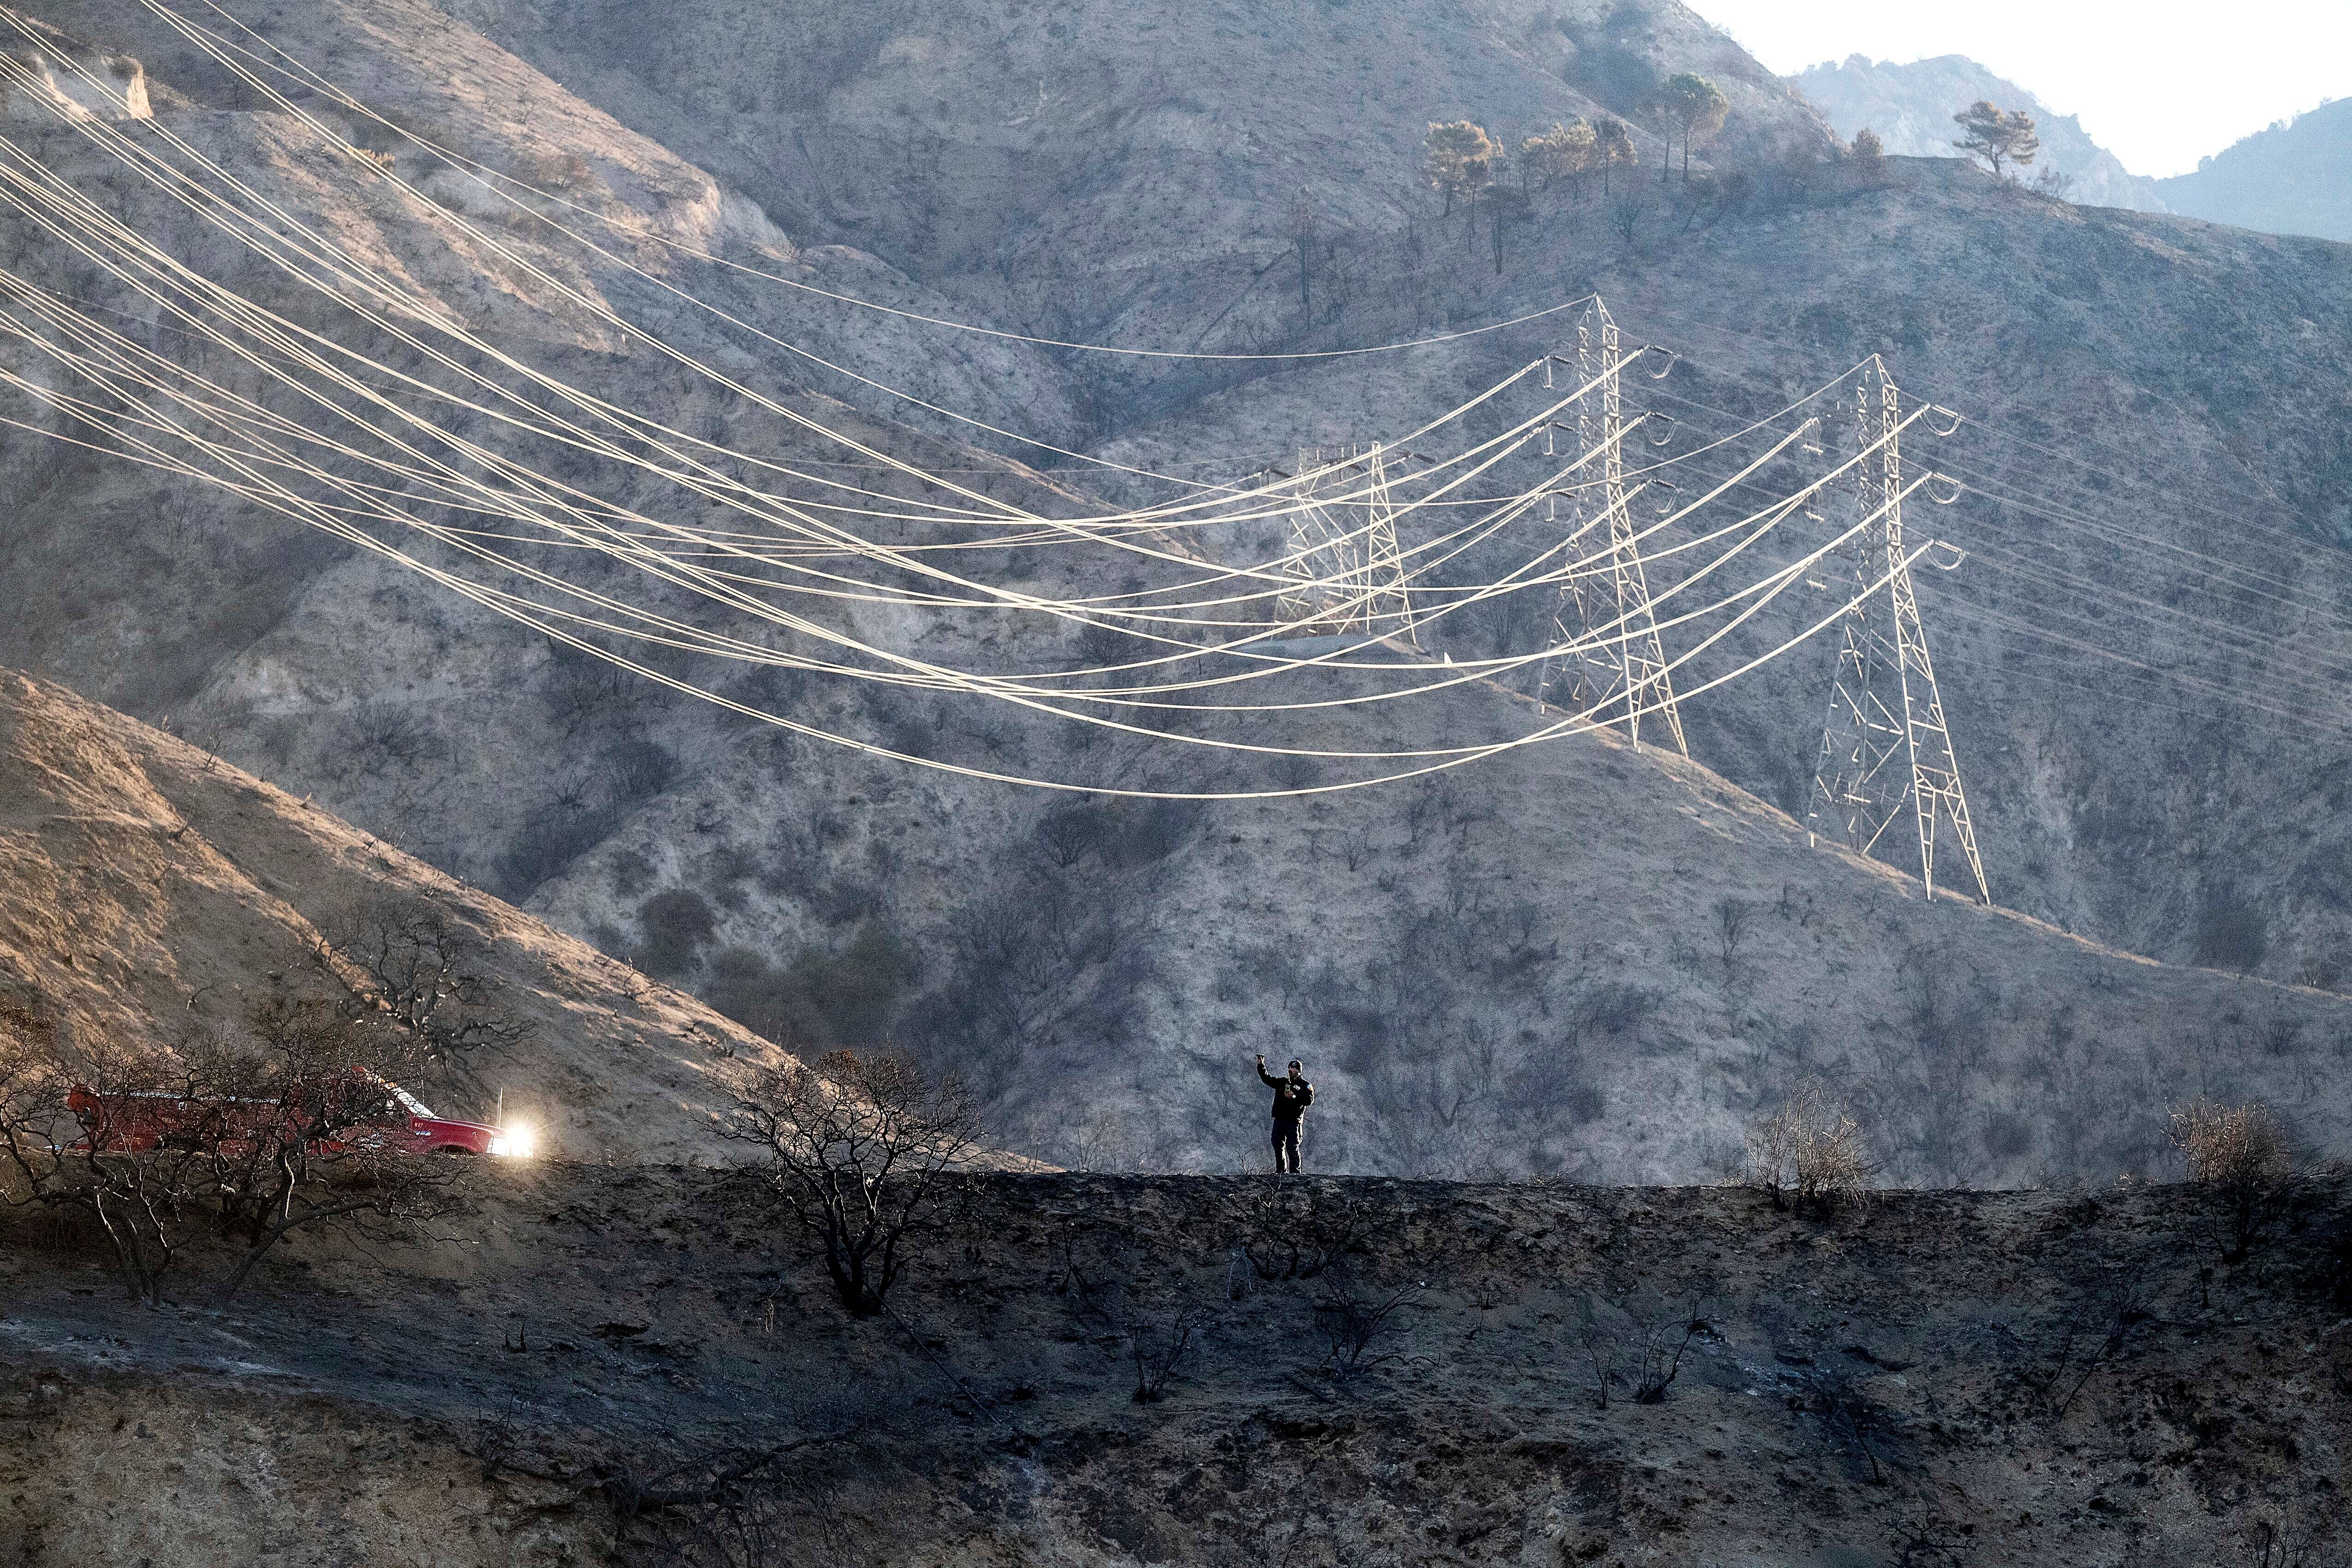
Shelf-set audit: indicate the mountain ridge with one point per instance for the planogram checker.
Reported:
(841, 898)
(1910, 106)
(2289, 178)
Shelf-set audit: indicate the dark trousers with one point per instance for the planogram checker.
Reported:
(1285, 1146)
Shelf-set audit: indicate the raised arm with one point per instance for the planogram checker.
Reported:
(1268, 1078)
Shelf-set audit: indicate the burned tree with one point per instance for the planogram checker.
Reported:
(289, 1124)
(2245, 1156)
(315, 1135)
(1809, 1154)
(60, 1118)
(856, 1149)
(425, 971)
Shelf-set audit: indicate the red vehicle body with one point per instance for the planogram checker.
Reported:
(382, 1113)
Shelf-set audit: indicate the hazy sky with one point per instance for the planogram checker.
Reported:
(2157, 83)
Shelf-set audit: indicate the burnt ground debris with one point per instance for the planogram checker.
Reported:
(626, 1364)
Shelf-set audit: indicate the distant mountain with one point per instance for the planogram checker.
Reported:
(2294, 178)
(1911, 107)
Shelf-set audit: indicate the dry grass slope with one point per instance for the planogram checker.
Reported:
(146, 884)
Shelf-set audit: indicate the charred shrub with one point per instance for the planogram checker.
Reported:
(1160, 1349)
(639, 770)
(585, 694)
(676, 924)
(2245, 1158)
(250, 1134)
(2068, 1354)
(1354, 1316)
(857, 1151)
(1638, 1339)
(1810, 1154)
(1293, 1235)
(826, 999)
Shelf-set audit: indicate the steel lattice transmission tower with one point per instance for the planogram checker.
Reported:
(1607, 592)
(1344, 552)
(1887, 744)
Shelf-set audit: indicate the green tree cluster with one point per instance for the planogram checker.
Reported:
(1564, 154)
(1692, 108)
(1460, 159)
(1616, 146)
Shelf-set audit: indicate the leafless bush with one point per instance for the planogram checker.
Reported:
(1639, 1338)
(857, 1150)
(1811, 1152)
(2090, 1335)
(1614, 1008)
(140, 1199)
(585, 693)
(317, 1137)
(427, 972)
(1161, 1350)
(291, 1125)
(1067, 835)
(1298, 772)
(1354, 1317)
(386, 735)
(1098, 645)
(1731, 918)
(638, 770)
(2245, 1156)
(1105, 1141)
(2282, 1535)
(1600, 1340)
(1664, 1331)
(1099, 1300)
(1294, 1234)
(552, 170)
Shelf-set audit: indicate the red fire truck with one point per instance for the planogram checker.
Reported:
(371, 1109)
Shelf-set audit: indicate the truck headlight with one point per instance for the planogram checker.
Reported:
(515, 1143)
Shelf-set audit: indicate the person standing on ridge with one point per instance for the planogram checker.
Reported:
(1292, 1096)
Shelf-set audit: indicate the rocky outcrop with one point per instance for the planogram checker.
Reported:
(70, 80)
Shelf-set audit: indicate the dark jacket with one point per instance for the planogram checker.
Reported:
(1290, 1101)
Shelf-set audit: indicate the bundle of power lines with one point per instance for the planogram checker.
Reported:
(366, 409)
